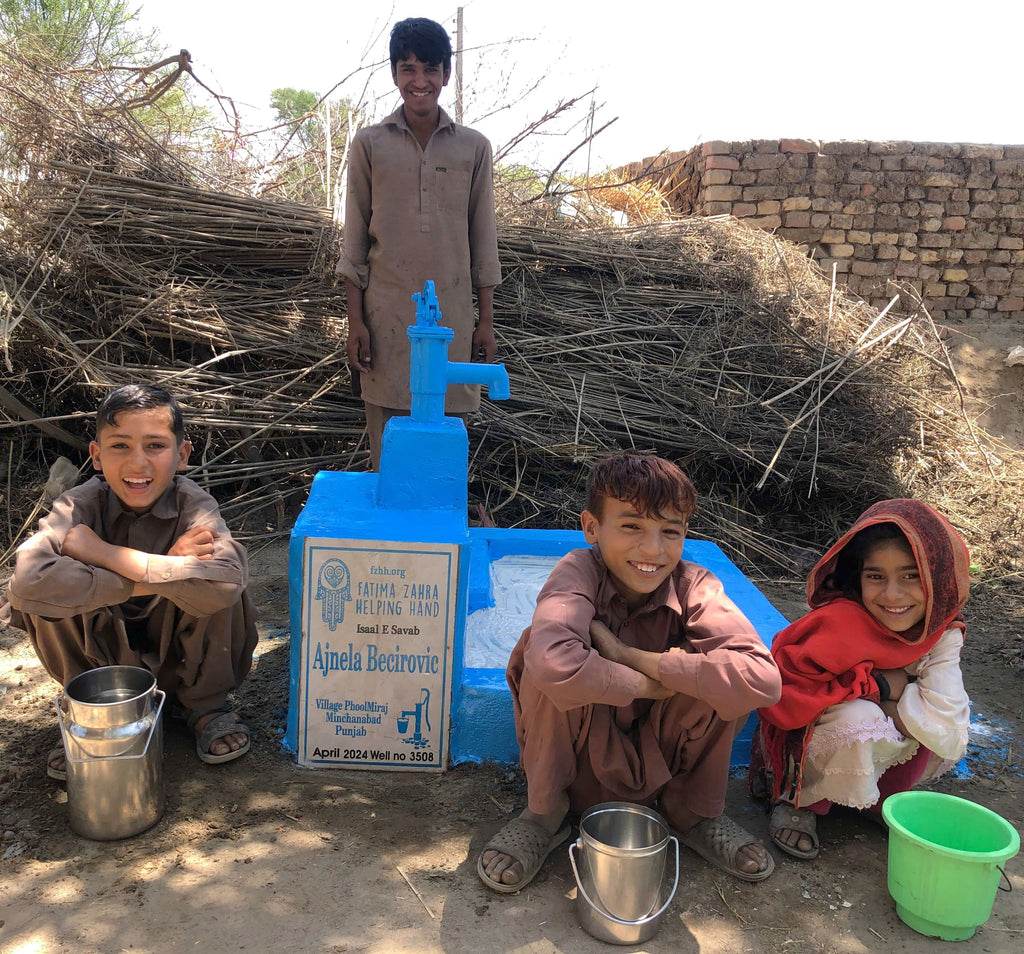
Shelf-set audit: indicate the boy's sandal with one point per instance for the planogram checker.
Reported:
(225, 722)
(54, 758)
(719, 840)
(528, 843)
(785, 817)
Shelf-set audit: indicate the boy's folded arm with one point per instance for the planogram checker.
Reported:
(48, 583)
(730, 668)
(560, 659)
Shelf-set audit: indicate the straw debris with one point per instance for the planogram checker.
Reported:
(704, 340)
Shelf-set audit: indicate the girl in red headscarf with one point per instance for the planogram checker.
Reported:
(873, 699)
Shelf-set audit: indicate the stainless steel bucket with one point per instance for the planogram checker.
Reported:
(623, 849)
(113, 741)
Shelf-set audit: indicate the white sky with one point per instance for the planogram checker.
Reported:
(674, 73)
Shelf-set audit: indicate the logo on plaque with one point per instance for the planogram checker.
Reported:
(333, 591)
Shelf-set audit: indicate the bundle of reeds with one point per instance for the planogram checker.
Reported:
(706, 341)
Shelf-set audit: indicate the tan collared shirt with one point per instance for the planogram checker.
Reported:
(411, 215)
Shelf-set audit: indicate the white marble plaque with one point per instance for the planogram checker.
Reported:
(377, 640)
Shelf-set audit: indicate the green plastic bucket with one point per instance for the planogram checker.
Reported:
(944, 858)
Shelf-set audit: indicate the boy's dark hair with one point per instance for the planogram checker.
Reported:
(139, 397)
(850, 562)
(653, 485)
(425, 39)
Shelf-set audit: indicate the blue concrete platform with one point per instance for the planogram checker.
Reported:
(482, 726)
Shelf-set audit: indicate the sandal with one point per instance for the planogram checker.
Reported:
(785, 817)
(528, 843)
(52, 758)
(225, 722)
(719, 840)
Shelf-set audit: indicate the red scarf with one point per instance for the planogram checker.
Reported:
(827, 656)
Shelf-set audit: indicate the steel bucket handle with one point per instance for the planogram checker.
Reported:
(120, 755)
(611, 917)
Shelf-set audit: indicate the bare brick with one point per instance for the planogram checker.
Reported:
(833, 237)
(884, 238)
(934, 240)
(722, 162)
(805, 146)
(1008, 241)
(766, 221)
(717, 208)
(891, 148)
(769, 207)
(743, 209)
(744, 178)
(935, 290)
(723, 193)
(820, 220)
(842, 250)
(844, 148)
(798, 220)
(716, 177)
(796, 203)
(1010, 304)
(756, 193)
(974, 150)
(954, 223)
(859, 238)
(841, 220)
(764, 161)
(954, 275)
(715, 148)
(931, 225)
(864, 268)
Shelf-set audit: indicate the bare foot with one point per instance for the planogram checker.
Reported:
(231, 742)
(750, 858)
(795, 839)
(507, 870)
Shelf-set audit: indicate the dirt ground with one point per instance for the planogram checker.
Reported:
(260, 855)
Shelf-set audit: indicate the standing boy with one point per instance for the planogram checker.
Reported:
(420, 206)
(632, 681)
(137, 568)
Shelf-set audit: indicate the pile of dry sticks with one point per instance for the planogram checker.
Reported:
(703, 340)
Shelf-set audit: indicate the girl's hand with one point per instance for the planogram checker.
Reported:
(897, 679)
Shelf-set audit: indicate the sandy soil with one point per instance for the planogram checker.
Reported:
(260, 855)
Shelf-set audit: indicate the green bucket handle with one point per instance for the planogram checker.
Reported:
(1002, 875)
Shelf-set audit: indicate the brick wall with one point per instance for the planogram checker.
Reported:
(946, 218)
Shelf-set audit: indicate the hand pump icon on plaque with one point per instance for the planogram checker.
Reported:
(421, 716)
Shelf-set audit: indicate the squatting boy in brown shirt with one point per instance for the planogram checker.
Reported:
(137, 568)
(632, 681)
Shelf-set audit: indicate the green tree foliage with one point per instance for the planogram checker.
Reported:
(74, 33)
(314, 138)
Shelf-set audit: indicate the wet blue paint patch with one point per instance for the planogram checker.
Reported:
(989, 750)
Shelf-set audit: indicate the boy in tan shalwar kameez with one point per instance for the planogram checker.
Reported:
(137, 567)
(632, 681)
